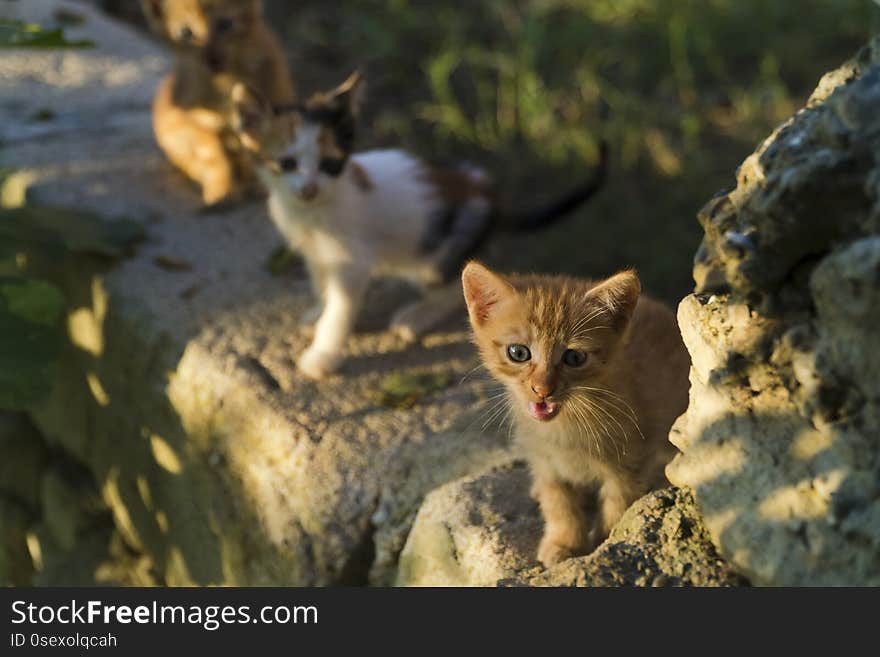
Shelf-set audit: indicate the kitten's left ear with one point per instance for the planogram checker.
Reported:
(484, 292)
(350, 94)
(619, 294)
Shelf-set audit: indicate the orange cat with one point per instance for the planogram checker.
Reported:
(217, 43)
(595, 377)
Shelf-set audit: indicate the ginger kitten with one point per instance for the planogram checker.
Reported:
(595, 377)
(354, 216)
(217, 44)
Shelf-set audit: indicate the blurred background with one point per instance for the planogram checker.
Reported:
(515, 86)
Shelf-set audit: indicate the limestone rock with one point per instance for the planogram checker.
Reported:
(483, 530)
(473, 532)
(781, 441)
(465, 448)
(660, 541)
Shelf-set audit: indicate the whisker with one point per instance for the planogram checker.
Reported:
(617, 402)
(593, 413)
(469, 374)
(583, 332)
(498, 407)
(584, 414)
(583, 321)
(488, 407)
(599, 409)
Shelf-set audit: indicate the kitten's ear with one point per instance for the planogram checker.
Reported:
(484, 292)
(251, 115)
(619, 294)
(154, 11)
(349, 95)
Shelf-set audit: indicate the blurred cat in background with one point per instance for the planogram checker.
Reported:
(595, 376)
(217, 44)
(380, 212)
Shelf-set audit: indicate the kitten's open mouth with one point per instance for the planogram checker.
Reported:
(543, 411)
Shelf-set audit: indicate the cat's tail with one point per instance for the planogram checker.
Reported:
(546, 216)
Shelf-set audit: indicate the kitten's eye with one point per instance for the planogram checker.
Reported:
(288, 164)
(222, 25)
(574, 358)
(519, 353)
(186, 33)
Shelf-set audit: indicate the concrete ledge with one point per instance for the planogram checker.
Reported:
(178, 391)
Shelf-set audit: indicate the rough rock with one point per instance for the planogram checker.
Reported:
(70, 504)
(781, 442)
(23, 457)
(660, 541)
(473, 532)
(483, 530)
(178, 391)
(468, 446)
(16, 566)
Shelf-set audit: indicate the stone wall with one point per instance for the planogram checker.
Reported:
(781, 441)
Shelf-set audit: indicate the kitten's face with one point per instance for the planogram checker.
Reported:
(216, 30)
(549, 340)
(306, 149)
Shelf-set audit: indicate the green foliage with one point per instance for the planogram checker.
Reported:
(495, 73)
(18, 34)
(32, 309)
(404, 390)
(691, 87)
(30, 339)
(282, 261)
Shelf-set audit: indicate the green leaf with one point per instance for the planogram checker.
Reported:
(18, 34)
(57, 231)
(30, 340)
(282, 260)
(32, 300)
(404, 389)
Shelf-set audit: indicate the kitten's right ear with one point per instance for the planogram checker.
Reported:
(619, 294)
(251, 115)
(484, 292)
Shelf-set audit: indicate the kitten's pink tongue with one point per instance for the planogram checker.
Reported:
(543, 411)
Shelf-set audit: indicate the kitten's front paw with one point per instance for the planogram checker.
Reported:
(551, 553)
(317, 365)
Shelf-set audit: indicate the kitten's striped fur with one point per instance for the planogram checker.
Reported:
(597, 426)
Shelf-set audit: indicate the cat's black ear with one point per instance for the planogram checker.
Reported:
(251, 114)
(619, 294)
(484, 292)
(349, 95)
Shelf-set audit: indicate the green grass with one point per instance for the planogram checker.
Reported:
(692, 86)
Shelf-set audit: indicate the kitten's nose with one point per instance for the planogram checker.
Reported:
(309, 191)
(543, 390)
